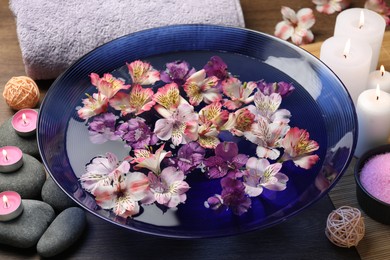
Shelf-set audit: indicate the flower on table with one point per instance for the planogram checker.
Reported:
(331, 6)
(188, 157)
(199, 88)
(138, 101)
(177, 72)
(380, 7)
(298, 147)
(136, 133)
(93, 105)
(108, 85)
(143, 73)
(216, 67)
(238, 94)
(296, 25)
(261, 174)
(227, 160)
(282, 88)
(168, 188)
(102, 128)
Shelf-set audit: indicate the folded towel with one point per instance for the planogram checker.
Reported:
(54, 33)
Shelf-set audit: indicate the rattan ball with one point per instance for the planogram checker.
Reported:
(345, 226)
(21, 92)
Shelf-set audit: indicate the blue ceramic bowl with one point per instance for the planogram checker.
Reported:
(320, 104)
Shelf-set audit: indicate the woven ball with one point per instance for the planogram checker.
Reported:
(345, 227)
(21, 92)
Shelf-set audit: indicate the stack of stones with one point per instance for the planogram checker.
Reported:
(51, 221)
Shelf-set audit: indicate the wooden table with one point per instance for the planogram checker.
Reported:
(300, 237)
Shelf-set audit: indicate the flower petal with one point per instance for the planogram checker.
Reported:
(284, 30)
(306, 18)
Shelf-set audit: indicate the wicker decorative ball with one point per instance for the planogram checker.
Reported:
(21, 92)
(345, 226)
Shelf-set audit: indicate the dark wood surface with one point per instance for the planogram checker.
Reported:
(300, 237)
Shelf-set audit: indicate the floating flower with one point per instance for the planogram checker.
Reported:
(181, 126)
(233, 195)
(298, 147)
(108, 85)
(331, 6)
(169, 188)
(296, 25)
(177, 72)
(138, 101)
(208, 136)
(199, 88)
(143, 73)
(240, 122)
(214, 115)
(167, 98)
(268, 137)
(124, 194)
(93, 105)
(267, 106)
(282, 88)
(102, 128)
(136, 133)
(189, 156)
(226, 159)
(238, 94)
(146, 159)
(261, 174)
(380, 7)
(216, 67)
(215, 203)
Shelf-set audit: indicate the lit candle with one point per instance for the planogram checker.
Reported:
(11, 206)
(25, 122)
(373, 112)
(363, 25)
(350, 61)
(380, 77)
(11, 159)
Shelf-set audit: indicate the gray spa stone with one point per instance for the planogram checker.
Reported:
(8, 136)
(26, 230)
(53, 195)
(66, 228)
(27, 181)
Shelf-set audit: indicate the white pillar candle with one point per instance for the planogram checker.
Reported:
(379, 77)
(373, 112)
(351, 66)
(370, 28)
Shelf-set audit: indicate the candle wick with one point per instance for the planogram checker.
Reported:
(382, 73)
(345, 55)
(360, 26)
(6, 205)
(377, 97)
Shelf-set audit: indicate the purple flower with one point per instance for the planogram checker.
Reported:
(226, 160)
(189, 156)
(233, 195)
(136, 133)
(283, 88)
(215, 203)
(177, 72)
(216, 67)
(102, 128)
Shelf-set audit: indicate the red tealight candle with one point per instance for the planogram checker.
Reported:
(11, 159)
(25, 122)
(10, 206)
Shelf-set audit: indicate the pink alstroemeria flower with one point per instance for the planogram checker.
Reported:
(208, 136)
(199, 88)
(146, 159)
(168, 189)
(261, 174)
(296, 25)
(239, 122)
(331, 6)
(143, 73)
(380, 7)
(168, 99)
(93, 105)
(138, 101)
(214, 115)
(238, 93)
(181, 126)
(108, 85)
(298, 148)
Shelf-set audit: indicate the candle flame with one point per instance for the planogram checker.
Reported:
(24, 118)
(382, 70)
(378, 91)
(361, 20)
(5, 201)
(347, 48)
(5, 154)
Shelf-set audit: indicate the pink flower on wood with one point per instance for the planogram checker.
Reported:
(380, 7)
(296, 25)
(331, 6)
